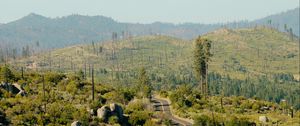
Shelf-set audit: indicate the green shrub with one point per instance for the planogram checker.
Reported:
(149, 122)
(163, 94)
(234, 121)
(139, 118)
(54, 77)
(246, 105)
(72, 88)
(136, 105)
(255, 106)
(113, 120)
(203, 120)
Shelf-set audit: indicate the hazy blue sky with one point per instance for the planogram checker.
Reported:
(146, 11)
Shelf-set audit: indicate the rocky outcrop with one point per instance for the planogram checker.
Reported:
(263, 119)
(114, 109)
(13, 88)
(104, 113)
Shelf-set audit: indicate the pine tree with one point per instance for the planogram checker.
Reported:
(6, 74)
(201, 58)
(144, 84)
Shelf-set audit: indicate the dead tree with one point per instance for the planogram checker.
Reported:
(93, 84)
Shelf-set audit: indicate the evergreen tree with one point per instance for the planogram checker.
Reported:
(144, 84)
(201, 58)
(6, 74)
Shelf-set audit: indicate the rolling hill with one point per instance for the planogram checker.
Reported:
(252, 62)
(238, 52)
(244, 63)
(259, 62)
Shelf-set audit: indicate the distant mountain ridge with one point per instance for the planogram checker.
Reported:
(290, 18)
(77, 29)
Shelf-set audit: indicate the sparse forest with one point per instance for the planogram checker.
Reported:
(114, 82)
(83, 70)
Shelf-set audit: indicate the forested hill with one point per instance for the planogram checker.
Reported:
(261, 57)
(256, 51)
(35, 30)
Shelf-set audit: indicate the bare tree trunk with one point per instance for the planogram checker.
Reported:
(44, 93)
(206, 79)
(93, 84)
(22, 69)
(84, 70)
(222, 102)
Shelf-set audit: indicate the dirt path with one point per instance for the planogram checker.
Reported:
(164, 106)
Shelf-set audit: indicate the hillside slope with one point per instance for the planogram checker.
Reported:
(257, 62)
(256, 51)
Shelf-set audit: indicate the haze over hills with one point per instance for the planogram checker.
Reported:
(75, 29)
(291, 18)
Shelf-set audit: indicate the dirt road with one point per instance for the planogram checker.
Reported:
(164, 106)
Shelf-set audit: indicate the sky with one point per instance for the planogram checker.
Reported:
(148, 11)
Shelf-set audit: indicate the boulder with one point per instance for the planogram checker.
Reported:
(116, 110)
(103, 112)
(263, 119)
(76, 123)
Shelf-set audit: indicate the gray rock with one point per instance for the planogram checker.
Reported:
(116, 110)
(76, 123)
(263, 119)
(103, 112)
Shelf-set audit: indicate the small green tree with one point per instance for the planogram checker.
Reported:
(6, 74)
(285, 27)
(201, 58)
(144, 84)
(81, 74)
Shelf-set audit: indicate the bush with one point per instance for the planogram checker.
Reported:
(82, 115)
(6, 74)
(139, 118)
(136, 105)
(234, 121)
(236, 102)
(203, 120)
(95, 105)
(61, 114)
(197, 106)
(71, 88)
(113, 120)
(149, 122)
(246, 105)
(163, 94)
(255, 106)
(54, 77)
